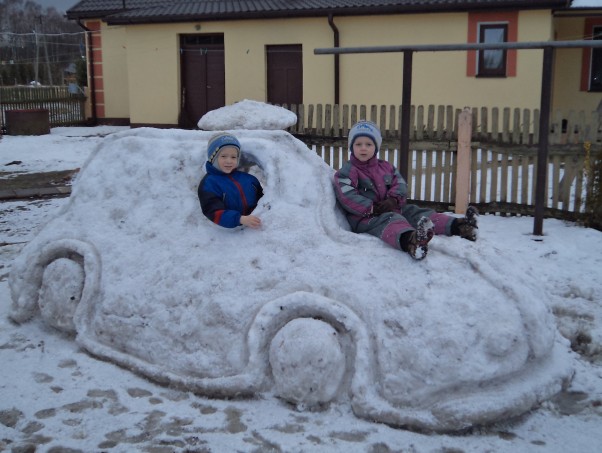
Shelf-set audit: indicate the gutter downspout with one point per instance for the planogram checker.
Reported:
(336, 58)
(91, 74)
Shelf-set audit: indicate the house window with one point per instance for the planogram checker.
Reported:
(591, 62)
(492, 62)
(492, 28)
(595, 76)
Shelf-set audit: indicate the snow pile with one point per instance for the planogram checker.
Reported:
(65, 147)
(302, 308)
(248, 114)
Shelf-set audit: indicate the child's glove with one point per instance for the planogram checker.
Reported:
(387, 205)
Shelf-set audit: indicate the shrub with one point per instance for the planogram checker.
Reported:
(81, 68)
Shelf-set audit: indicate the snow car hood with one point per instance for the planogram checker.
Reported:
(302, 309)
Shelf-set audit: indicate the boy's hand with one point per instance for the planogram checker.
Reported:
(250, 221)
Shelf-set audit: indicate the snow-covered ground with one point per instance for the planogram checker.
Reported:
(53, 394)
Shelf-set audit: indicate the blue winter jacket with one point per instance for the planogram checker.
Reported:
(225, 197)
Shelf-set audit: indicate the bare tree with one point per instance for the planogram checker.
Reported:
(37, 44)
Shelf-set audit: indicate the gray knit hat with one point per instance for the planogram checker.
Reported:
(219, 141)
(368, 129)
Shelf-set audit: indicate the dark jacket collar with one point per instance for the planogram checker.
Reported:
(370, 163)
(213, 170)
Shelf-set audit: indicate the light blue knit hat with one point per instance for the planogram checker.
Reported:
(365, 128)
(219, 141)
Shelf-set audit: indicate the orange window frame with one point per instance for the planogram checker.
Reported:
(474, 19)
(586, 61)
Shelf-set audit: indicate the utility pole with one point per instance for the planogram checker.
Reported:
(48, 70)
(37, 57)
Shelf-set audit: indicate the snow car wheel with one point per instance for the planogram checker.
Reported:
(307, 362)
(61, 291)
(61, 281)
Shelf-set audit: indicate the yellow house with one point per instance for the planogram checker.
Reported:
(165, 64)
(578, 72)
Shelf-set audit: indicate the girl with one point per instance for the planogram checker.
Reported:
(373, 196)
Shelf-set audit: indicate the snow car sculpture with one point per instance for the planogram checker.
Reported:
(302, 309)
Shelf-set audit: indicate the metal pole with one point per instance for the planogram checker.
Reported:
(337, 58)
(589, 43)
(544, 131)
(406, 104)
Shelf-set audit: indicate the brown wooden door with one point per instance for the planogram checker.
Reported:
(203, 77)
(285, 74)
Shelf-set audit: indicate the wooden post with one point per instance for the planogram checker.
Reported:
(463, 162)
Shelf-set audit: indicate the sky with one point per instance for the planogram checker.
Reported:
(586, 3)
(474, 331)
(60, 5)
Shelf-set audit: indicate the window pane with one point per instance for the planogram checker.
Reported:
(492, 62)
(494, 59)
(595, 80)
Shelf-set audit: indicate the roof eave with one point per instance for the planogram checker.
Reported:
(579, 12)
(91, 14)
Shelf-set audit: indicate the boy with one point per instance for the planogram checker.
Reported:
(227, 195)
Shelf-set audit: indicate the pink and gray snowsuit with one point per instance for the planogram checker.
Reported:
(360, 185)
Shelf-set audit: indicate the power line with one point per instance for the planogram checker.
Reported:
(27, 61)
(43, 34)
